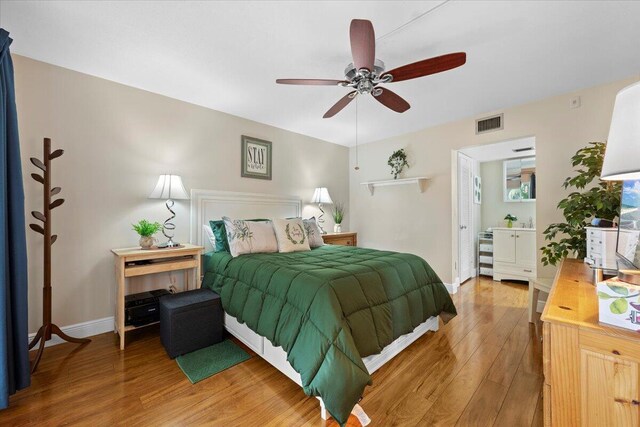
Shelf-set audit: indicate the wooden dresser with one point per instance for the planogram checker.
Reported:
(591, 370)
(346, 239)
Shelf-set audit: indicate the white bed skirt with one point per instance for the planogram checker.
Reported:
(278, 357)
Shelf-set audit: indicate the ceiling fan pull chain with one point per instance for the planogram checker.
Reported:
(357, 166)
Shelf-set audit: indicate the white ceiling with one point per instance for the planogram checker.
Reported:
(227, 55)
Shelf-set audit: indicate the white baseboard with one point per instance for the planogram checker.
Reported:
(81, 330)
(453, 287)
(540, 306)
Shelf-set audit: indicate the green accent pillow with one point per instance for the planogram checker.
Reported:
(220, 233)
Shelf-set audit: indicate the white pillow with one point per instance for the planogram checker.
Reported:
(250, 237)
(313, 231)
(210, 236)
(291, 235)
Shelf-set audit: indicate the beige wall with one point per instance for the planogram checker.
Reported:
(117, 140)
(494, 208)
(399, 218)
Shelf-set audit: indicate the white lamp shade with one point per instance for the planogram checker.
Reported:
(321, 195)
(622, 156)
(169, 187)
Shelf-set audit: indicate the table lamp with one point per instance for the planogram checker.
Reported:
(320, 196)
(622, 156)
(622, 163)
(170, 188)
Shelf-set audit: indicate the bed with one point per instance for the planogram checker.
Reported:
(326, 318)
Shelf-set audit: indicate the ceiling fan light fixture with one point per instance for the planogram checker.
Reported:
(351, 72)
(366, 72)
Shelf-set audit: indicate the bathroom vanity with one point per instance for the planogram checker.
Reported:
(514, 253)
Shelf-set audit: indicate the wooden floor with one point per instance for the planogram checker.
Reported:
(483, 368)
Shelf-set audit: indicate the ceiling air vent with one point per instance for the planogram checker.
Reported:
(489, 124)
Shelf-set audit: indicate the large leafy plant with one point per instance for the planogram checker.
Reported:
(598, 200)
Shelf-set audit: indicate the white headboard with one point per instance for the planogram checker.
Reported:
(209, 205)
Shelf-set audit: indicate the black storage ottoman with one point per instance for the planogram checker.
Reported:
(190, 321)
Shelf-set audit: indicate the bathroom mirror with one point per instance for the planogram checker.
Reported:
(519, 180)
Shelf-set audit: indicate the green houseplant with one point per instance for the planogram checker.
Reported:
(397, 161)
(510, 218)
(600, 200)
(338, 215)
(146, 230)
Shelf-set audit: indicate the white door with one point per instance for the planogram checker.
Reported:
(526, 248)
(504, 246)
(466, 243)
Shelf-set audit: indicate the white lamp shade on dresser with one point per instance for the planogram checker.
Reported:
(321, 195)
(169, 187)
(622, 156)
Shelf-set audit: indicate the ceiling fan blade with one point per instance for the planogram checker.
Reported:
(312, 82)
(363, 44)
(425, 67)
(392, 100)
(338, 106)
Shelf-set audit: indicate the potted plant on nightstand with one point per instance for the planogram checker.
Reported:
(510, 218)
(146, 230)
(338, 216)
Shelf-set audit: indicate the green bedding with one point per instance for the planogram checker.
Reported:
(328, 308)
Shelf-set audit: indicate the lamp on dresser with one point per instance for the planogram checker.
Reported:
(321, 196)
(169, 188)
(622, 163)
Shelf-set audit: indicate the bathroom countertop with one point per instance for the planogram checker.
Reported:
(513, 228)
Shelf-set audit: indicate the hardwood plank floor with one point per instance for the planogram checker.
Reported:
(484, 368)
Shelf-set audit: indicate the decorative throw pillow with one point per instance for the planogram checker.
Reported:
(291, 235)
(220, 233)
(249, 237)
(313, 231)
(210, 236)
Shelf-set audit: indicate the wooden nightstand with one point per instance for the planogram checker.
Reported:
(131, 262)
(346, 239)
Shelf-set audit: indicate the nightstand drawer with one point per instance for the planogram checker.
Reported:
(344, 239)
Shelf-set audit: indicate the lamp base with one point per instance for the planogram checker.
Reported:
(168, 244)
(629, 276)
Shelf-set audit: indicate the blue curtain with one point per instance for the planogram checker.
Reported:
(14, 353)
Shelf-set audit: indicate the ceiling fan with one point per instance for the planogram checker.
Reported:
(366, 72)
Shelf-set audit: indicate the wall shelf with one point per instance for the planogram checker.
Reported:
(420, 182)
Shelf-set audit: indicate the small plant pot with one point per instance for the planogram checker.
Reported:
(509, 223)
(146, 242)
(337, 228)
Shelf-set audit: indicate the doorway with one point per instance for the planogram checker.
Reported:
(484, 194)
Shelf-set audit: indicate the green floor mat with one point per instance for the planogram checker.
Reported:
(208, 361)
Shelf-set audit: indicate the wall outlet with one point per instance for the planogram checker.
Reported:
(574, 102)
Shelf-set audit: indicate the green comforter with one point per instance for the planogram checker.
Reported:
(329, 308)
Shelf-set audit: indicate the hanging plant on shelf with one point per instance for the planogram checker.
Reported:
(398, 161)
(601, 200)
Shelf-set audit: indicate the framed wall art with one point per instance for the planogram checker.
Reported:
(477, 190)
(256, 158)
